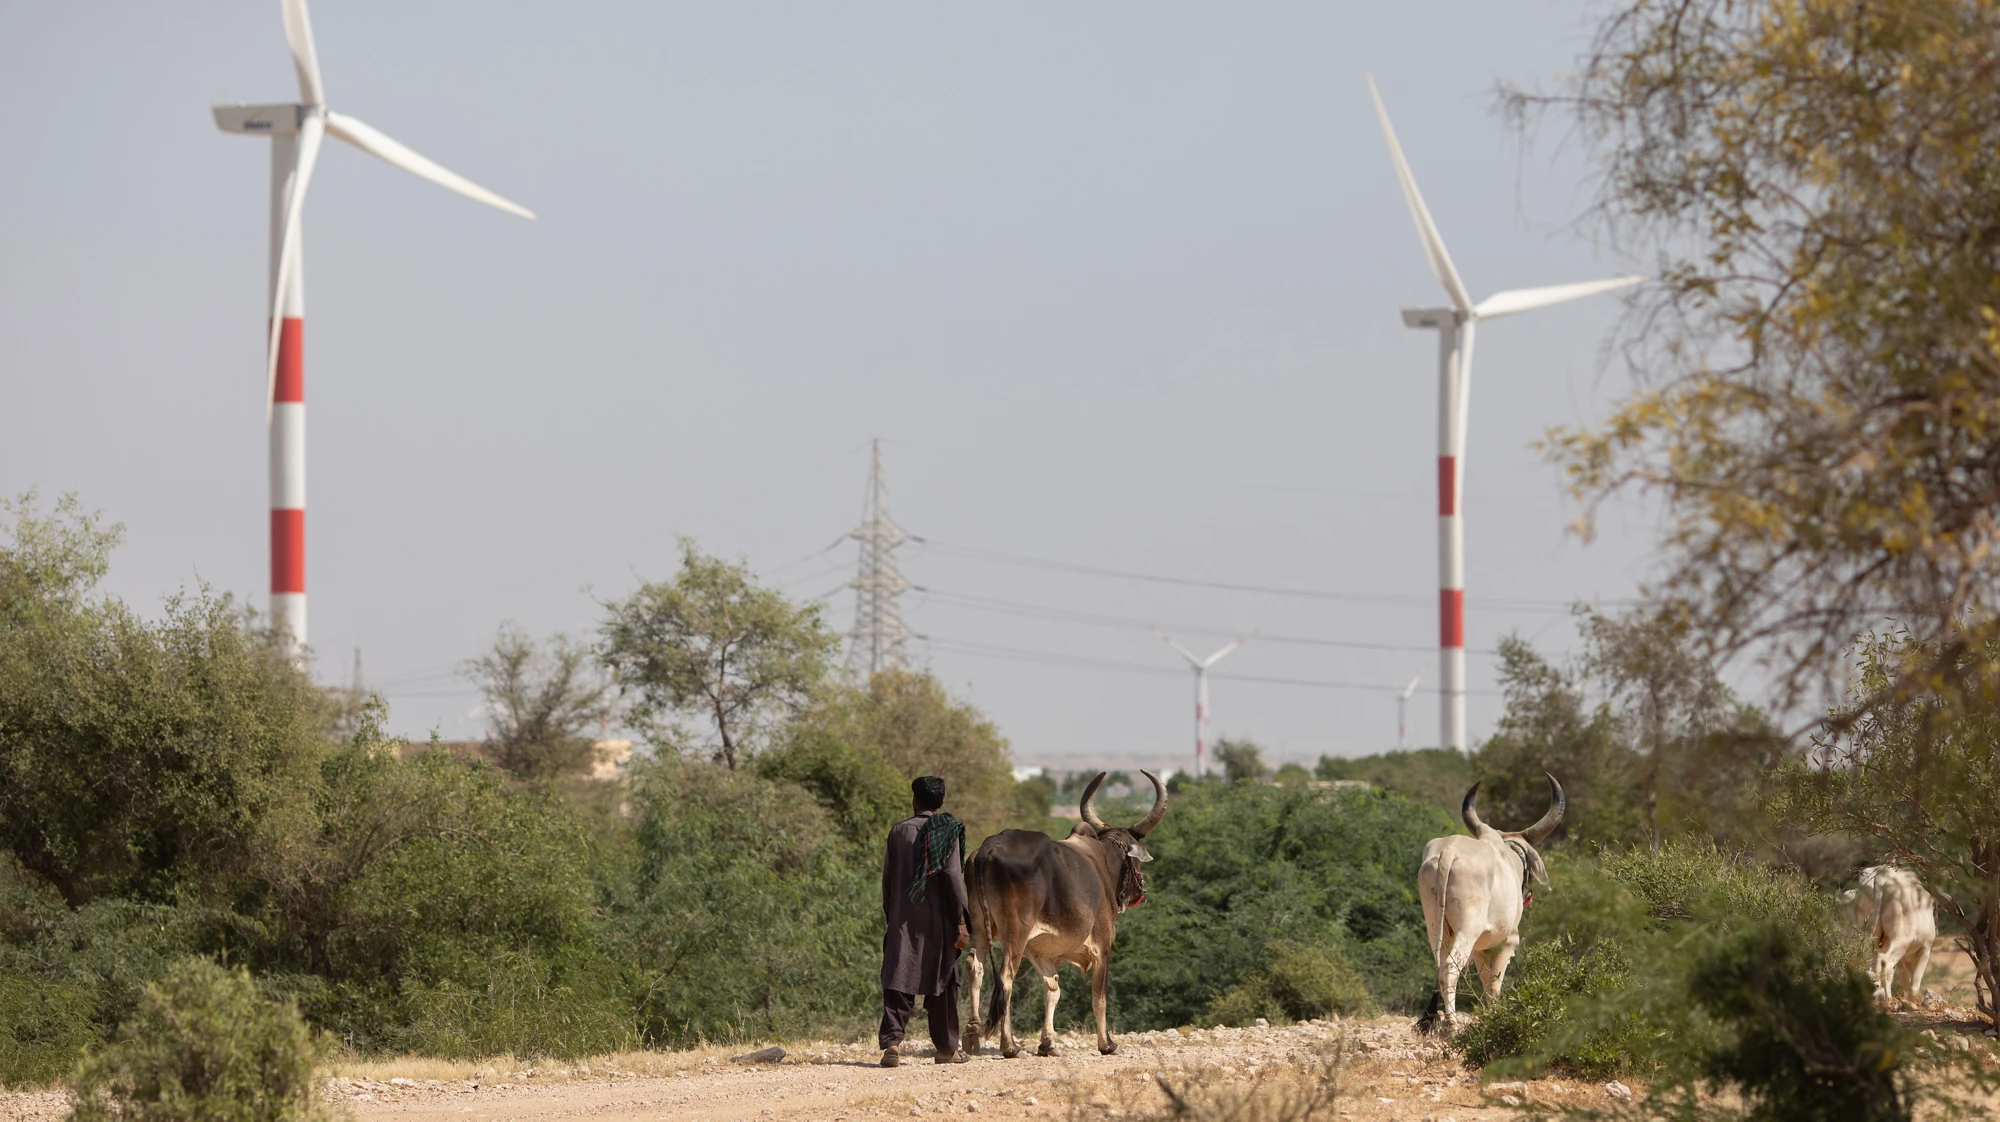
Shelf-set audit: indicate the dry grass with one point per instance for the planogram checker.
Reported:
(516, 1069)
(1298, 1090)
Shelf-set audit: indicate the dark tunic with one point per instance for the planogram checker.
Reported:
(917, 952)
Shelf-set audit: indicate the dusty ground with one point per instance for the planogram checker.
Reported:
(1386, 1074)
(1389, 1073)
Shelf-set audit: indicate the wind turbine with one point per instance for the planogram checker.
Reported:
(296, 132)
(1403, 712)
(1454, 326)
(1201, 666)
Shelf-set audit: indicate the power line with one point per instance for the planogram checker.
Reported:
(1019, 654)
(1038, 611)
(995, 556)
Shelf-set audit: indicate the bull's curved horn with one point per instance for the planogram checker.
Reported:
(1084, 807)
(1466, 811)
(1159, 810)
(1549, 821)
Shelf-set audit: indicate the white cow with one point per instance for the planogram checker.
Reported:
(1892, 906)
(1474, 890)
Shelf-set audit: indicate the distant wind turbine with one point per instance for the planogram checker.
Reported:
(1201, 666)
(296, 132)
(1454, 327)
(1403, 712)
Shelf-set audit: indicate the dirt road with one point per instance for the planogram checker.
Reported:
(1388, 1073)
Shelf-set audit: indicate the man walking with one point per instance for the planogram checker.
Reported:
(923, 898)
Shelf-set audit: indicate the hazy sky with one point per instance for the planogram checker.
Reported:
(1117, 284)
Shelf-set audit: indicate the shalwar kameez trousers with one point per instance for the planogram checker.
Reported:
(919, 952)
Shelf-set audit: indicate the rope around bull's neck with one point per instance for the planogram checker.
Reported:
(936, 839)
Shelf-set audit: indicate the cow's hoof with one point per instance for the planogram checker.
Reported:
(1009, 1053)
(1108, 1047)
(972, 1039)
(1048, 1048)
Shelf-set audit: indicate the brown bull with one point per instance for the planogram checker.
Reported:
(1053, 902)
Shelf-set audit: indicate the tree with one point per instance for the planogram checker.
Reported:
(1549, 728)
(1819, 366)
(1435, 776)
(168, 760)
(541, 704)
(714, 643)
(857, 748)
(1241, 760)
(1699, 752)
(1918, 779)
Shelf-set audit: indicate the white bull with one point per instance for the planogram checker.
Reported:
(1893, 907)
(1474, 890)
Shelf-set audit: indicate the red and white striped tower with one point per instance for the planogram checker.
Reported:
(1454, 326)
(1454, 363)
(295, 132)
(288, 412)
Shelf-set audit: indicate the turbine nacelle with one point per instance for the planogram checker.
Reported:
(259, 120)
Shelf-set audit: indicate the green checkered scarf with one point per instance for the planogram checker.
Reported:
(940, 834)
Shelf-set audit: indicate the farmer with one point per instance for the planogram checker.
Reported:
(923, 898)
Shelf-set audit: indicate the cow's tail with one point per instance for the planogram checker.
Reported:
(1434, 1012)
(999, 1003)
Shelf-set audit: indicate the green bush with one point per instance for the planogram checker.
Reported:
(203, 1045)
(1244, 871)
(1604, 983)
(1438, 776)
(44, 1027)
(1547, 980)
(523, 1009)
(1804, 1038)
(67, 968)
(431, 880)
(742, 914)
(1299, 982)
(154, 761)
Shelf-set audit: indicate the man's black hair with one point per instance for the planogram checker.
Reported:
(929, 790)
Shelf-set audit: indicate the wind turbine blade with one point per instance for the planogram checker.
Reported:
(1224, 652)
(1441, 264)
(376, 144)
(299, 33)
(1528, 299)
(1412, 687)
(1184, 652)
(310, 134)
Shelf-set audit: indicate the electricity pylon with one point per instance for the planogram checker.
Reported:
(877, 641)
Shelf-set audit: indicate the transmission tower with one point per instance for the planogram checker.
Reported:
(878, 638)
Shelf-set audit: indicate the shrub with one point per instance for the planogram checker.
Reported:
(1546, 981)
(1299, 982)
(148, 760)
(1604, 982)
(526, 1008)
(1805, 1038)
(44, 1027)
(742, 914)
(1245, 871)
(203, 1045)
(431, 876)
